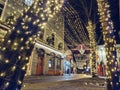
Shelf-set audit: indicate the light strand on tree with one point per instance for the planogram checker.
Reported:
(21, 42)
(113, 82)
(91, 30)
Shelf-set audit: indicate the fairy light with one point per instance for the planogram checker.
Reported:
(19, 57)
(110, 43)
(4, 48)
(23, 68)
(26, 58)
(22, 48)
(6, 61)
(9, 41)
(18, 31)
(2, 74)
(76, 26)
(3, 40)
(91, 31)
(7, 83)
(13, 68)
(25, 35)
(19, 82)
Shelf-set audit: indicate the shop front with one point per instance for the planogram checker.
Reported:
(54, 66)
(101, 59)
(45, 61)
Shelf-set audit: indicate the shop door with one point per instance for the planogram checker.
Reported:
(40, 60)
(39, 68)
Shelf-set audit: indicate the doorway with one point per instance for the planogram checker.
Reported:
(40, 61)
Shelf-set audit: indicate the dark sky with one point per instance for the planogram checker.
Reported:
(114, 7)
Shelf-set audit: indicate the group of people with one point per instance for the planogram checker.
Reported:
(70, 67)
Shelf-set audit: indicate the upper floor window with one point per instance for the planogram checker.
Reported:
(50, 39)
(60, 46)
(52, 61)
(41, 34)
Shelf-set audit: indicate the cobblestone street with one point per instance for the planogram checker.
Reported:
(78, 84)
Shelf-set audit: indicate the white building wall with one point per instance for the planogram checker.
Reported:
(46, 58)
(102, 55)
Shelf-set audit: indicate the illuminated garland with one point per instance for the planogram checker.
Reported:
(74, 22)
(113, 82)
(91, 30)
(20, 42)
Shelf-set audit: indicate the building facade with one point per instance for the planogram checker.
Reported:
(48, 53)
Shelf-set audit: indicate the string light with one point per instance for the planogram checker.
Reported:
(110, 44)
(6, 61)
(25, 35)
(91, 30)
(2, 74)
(74, 22)
(7, 83)
(19, 82)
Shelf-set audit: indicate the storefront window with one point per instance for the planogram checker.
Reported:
(51, 61)
(50, 40)
(58, 62)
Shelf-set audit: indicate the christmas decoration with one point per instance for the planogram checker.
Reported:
(113, 82)
(17, 46)
(91, 31)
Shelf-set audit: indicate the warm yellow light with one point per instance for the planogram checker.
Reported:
(13, 68)
(2, 74)
(19, 81)
(23, 68)
(6, 61)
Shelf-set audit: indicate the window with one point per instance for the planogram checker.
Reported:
(51, 63)
(50, 40)
(60, 46)
(41, 34)
(58, 62)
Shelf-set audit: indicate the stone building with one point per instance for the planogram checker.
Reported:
(48, 54)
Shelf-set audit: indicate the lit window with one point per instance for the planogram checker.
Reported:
(28, 2)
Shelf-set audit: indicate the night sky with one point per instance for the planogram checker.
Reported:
(114, 8)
